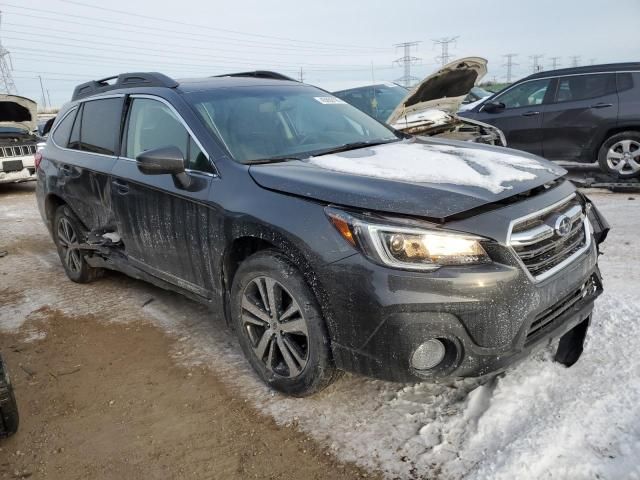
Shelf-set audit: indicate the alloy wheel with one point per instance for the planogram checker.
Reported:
(68, 239)
(275, 326)
(624, 157)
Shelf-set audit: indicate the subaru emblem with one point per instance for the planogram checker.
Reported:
(563, 226)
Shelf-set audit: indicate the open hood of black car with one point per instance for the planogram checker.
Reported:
(422, 177)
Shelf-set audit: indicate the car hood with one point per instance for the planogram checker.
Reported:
(422, 177)
(443, 90)
(20, 112)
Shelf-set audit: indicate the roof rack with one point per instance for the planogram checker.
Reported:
(260, 74)
(124, 80)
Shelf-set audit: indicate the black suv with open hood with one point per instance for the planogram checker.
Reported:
(326, 239)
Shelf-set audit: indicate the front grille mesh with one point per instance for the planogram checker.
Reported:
(539, 245)
(17, 151)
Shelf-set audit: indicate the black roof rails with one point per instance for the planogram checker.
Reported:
(260, 74)
(124, 80)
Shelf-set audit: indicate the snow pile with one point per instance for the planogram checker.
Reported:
(432, 163)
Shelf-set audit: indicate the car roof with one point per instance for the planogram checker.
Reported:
(606, 67)
(141, 80)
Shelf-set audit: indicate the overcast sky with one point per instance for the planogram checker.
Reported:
(334, 42)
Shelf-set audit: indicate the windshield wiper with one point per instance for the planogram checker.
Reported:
(258, 161)
(354, 146)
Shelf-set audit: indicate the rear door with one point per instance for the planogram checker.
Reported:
(521, 117)
(164, 226)
(87, 140)
(583, 108)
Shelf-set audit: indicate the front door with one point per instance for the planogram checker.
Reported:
(165, 227)
(521, 117)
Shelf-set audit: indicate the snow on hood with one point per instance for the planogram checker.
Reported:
(18, 111)
(441, 164)
(442, 90)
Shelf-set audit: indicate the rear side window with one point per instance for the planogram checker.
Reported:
(625, 81)
(152, 125)
(583, 87)
(100, 125)
(63, 130)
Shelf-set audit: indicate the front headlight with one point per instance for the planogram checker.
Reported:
(408, 247)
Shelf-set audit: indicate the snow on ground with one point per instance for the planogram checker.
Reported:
(540, 420)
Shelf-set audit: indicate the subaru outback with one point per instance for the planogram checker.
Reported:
(326, 239)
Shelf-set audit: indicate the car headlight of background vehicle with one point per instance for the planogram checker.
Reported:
(411, 248)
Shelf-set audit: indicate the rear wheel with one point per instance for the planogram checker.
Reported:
(68, 233)
(619, 155)
(280, 326)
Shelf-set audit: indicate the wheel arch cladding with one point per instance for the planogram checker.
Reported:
(51, 204)
(246, 244)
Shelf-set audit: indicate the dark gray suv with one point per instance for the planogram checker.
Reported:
(326, 239)
(580, 114)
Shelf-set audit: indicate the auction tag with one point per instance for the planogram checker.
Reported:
(330, 100)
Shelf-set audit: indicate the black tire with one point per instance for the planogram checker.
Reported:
(616, 141)
(73, 260)
(318, 370)
(9, 418)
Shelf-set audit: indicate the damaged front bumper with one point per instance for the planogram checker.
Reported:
(24, 175)
(488, 317)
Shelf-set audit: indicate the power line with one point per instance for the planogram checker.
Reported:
(555, 62)
(287, 42)
(407, 60)
(8, 85)
(444, 42)
(509, 64)
(536, 66)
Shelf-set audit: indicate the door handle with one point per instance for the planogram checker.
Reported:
(121, 187)
(602, 105)
(530, 114)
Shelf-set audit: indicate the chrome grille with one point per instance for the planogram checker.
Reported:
(550, 238)
(18, 151)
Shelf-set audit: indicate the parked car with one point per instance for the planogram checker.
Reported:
(475, 96)
(18, 138)
(8, 408)
(429, 108)
(326, 239)
(583, 114)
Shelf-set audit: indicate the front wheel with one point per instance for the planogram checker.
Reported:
(8, 408)
(619, 155)
(280, 326)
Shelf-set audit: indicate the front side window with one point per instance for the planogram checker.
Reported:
(100, 125)
(273, 122)
(583, 87)
(525, 95)
(152, 124)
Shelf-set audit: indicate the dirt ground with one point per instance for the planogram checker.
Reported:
(100, 395)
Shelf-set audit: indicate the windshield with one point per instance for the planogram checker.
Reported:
(379, 101)
(275, 122)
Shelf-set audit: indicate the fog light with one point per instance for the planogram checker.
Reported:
(428, 355)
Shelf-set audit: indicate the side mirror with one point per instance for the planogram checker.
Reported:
(493, 107)
(164, 161)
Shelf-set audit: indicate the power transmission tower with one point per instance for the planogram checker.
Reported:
(575, 60)
(592, 61)
(6, 79)
(44, 98)
(537, 67)
(407, 60)
(510, 64)
(444, 57)
(555, 62)
(301, 75)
